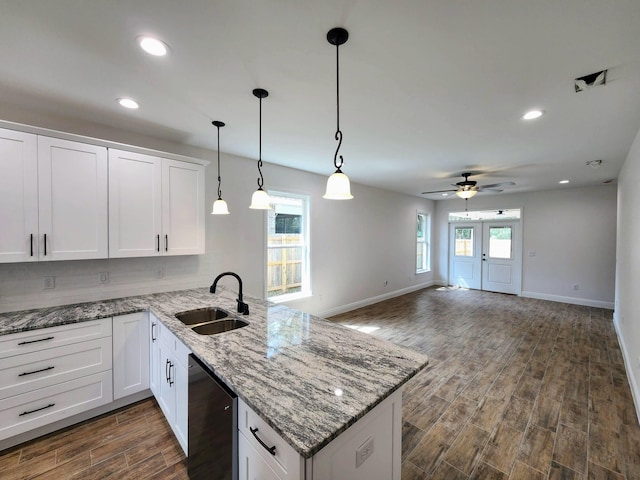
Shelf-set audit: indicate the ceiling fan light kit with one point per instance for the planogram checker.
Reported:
(467, 189)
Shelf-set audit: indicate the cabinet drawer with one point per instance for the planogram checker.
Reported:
(286, 463)
(173, 345)
(23, 373)
(21, 413)
(250, 463)
(34, 340)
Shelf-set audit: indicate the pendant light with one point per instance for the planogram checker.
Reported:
(260, 199)
(338, 186)
(219, 206)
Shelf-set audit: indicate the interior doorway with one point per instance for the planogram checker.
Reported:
(486, 255)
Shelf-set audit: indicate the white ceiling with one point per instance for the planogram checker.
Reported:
(429, 89)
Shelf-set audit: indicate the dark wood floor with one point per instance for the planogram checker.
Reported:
(516, 389)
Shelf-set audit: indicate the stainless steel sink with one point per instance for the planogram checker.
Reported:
(219, 326)
(202, 315)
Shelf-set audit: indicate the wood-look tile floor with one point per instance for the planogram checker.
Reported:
(516, 389)
(131, 443)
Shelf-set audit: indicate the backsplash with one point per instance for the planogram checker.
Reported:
(21, 284)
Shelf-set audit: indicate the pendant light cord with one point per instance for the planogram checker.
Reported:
(261, 179)
(338, 135)
(219, 179)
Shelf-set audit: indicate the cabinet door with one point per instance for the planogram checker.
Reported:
(154, 357)
(182, 208)
(251, 466)
(167, 397)
(130, 354)
(18, 197)
(72, 201)
(135, 204)
(181, 379)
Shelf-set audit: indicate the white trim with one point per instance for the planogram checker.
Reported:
(573, 300)
(370, 301)
(628, 364)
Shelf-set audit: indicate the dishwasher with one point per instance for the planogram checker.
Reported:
(213, 426)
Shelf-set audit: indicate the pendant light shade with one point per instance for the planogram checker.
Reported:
(219, 206)
(260, 199)
(338, 185)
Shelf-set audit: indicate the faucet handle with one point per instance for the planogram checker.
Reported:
(243, 308)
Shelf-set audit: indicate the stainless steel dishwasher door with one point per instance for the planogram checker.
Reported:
(213, 426)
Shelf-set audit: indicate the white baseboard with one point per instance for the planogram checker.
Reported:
(573, 300)
(628, 364)
(370, 301)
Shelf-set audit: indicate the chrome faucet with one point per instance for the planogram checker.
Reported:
(243, 308)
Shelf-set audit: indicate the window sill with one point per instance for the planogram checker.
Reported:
(289, 297)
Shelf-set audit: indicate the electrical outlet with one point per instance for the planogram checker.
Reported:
(576, 286)
(364, 451)
(532, 254)
(48, 282)
(386, 283)
(104, 277)
(159, 272)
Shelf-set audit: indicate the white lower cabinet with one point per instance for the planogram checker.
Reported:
(170, 379)
(251, 466)
(54, 373)
(371, 449)
(130, 354)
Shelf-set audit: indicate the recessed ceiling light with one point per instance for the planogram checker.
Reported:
(532, 114)
(153, 46)
(128, 103)
(563, 181)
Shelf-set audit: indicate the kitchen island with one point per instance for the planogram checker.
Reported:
(306, 377)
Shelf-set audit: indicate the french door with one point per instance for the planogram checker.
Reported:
(486, 255)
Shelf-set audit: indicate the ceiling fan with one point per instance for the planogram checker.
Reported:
(468, 188)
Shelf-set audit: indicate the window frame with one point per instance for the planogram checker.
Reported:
(426, 242)
(306, 245)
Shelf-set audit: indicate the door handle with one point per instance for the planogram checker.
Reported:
(158, 242)
(31, 243)
(153, 325)
(166, 243)
(45, 244)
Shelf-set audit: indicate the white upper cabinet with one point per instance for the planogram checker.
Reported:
(72, 200)
(135, 204)
(156, 206)
(182, 207)
(18, 197)
(53, 199)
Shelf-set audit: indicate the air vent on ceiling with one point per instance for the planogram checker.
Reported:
(589, 81)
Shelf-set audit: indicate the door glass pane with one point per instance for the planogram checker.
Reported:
(464, 241)
(500, 242)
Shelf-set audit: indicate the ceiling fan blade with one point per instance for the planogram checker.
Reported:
(439, 191)
(500, 184)
(492, 190)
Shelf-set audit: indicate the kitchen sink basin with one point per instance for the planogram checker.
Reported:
(202, 315)
(219, 326)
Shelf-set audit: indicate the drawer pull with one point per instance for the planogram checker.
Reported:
(153, 326)
(271, 450)
(35, 341)
(36, 371)
(36, 410)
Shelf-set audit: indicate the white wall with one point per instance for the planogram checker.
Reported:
(627, 298)
(356, 245)
(572, 232)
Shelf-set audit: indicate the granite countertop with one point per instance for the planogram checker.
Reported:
(287, 365)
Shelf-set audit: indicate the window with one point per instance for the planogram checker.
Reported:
(423, 234)
(500, 242)
(288, 246)
(464, 242)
